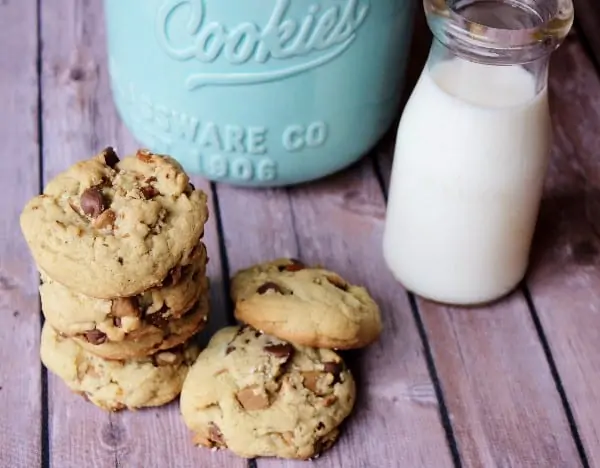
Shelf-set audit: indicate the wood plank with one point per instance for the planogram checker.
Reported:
(565, 276)
(79, 119)
(500, 394)
(20, 371)
(338, 222)
(501, 397)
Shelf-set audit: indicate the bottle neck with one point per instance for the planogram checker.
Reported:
(500, 32)
(440, 53)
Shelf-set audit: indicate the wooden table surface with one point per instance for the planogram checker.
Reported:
(516, 384)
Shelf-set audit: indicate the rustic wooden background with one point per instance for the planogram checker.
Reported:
(516, 384)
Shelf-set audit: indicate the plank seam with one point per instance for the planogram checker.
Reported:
(224, 268)
(555, 376)
(115, 450)
(45, 416)
(379, 176)
(222, 255)
(433, 375)
(293, 218)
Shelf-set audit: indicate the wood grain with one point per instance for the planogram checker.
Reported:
(495, 377)
(79, 120)
(20, 371)
(338, 222)
(497, 384)
(565, 274)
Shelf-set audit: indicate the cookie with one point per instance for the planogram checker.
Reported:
(158, 333)
(115, 385)
(305, 305)
(108, 228)
(72, 313)
(261, 396)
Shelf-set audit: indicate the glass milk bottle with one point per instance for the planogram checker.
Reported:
(472, 149)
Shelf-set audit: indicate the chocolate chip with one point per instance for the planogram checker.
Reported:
(311, 380)
(320, 426)
(92, 202)
(338, 282)
(95, 337)
(334, 368)
(125, 307)
(110, 157)
(269, 286)
(120, 260)
(158, 320)
(215, 435)
(295, 265)
(253, 398)
(149, 192)
(229, 349)
(284, 350)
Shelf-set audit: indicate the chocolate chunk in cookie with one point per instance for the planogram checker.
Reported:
(261, 396)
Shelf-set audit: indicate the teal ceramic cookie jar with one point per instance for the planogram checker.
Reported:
(258, 92)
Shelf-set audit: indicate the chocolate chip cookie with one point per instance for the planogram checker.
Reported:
(113, 228)
(305, 305)
(115, 385)
(261, 396)
(157, 332)
(72, 313)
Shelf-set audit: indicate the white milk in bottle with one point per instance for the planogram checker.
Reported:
(468, 172)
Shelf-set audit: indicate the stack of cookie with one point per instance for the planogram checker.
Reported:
(273, 386)
(124, 287)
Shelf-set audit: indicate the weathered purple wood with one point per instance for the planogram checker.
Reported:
(20, 371)
(79, 120)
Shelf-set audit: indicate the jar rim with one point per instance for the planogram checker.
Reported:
(528, 43)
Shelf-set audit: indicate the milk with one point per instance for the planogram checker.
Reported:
(466, 183)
